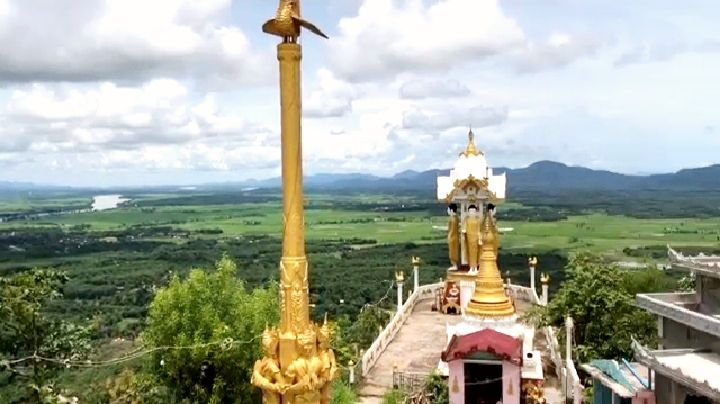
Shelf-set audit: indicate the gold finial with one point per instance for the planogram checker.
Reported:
(489, 231)
(416, 260)
(471, 150)
(326, 333)
(544, 278)
(533, 261)
(287, 22)
(399, 276)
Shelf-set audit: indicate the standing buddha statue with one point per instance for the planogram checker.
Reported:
(473, 237)
(453, 237)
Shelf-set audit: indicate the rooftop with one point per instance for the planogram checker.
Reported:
(706, 265)
(682, 308)
(621, 378)
(697, 370)
(471, 170)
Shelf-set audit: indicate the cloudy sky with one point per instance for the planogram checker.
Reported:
(131, 92)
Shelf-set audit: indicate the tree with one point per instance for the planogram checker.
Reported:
(26, 332)
(648, 280)
(602, 307)
(213, 313)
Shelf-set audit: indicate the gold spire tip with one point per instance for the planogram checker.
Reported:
(471, 150)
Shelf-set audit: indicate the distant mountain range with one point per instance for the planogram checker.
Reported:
(543, 175)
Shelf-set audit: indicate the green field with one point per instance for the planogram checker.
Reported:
(595, 232)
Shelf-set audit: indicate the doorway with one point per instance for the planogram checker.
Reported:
(483, 382)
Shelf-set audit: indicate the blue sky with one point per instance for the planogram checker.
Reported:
(129, 92)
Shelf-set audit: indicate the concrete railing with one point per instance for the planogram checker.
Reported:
(523, 293)
(575, 389)
(388, 333)
(565, 369)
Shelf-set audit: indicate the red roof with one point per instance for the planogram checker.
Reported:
(488, 340)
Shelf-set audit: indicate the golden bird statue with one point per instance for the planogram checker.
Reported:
(287, 22)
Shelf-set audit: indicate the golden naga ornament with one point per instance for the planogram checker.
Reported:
(287, 22)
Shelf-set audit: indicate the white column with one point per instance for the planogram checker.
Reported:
(399, 295)
(416, 274)
(544, 297)
(351, 366)
(660, 331)
(532, 277)
(568, 337)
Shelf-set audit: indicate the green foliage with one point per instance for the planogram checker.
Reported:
(130, 387)
(606, 318)
(686, 283)
(352, 336)
(394, 396)
(209, 308)
(436, 386)
(647, 280)
(26, 330)
(343, 394)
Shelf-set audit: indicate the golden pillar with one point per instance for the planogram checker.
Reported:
(301, 365)
(489, 299)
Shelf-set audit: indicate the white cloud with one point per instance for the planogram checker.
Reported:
(419, 89)
(451, 117)
(156, 119)
(87, 40)
(559, 50)
(386, 38)
(332, 99)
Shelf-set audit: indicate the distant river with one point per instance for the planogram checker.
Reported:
(104, 202)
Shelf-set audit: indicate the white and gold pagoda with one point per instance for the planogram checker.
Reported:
(489, 343)
(471, 191)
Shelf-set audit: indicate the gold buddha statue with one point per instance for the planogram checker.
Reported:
(453, 237)
(472, 237)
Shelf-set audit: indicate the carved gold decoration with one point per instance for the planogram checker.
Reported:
(544, 278)
(478, 184)
(533, 392)
(287, 22)
(298, 365)
(399, 276)
(533, 261)
(450, 298)
(489, 299)
(416, 260)
(266, 372)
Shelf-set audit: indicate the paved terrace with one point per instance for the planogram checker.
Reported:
(417, 347)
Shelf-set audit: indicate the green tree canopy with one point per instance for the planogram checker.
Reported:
(212, 311)
(603, 308)
(27, 332)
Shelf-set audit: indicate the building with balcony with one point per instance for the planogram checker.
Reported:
(687, 360)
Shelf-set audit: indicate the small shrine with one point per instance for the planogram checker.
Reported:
(470, 191)
(489, 353)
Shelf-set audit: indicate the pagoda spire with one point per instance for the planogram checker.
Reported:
(471, 150)
(489, 299)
